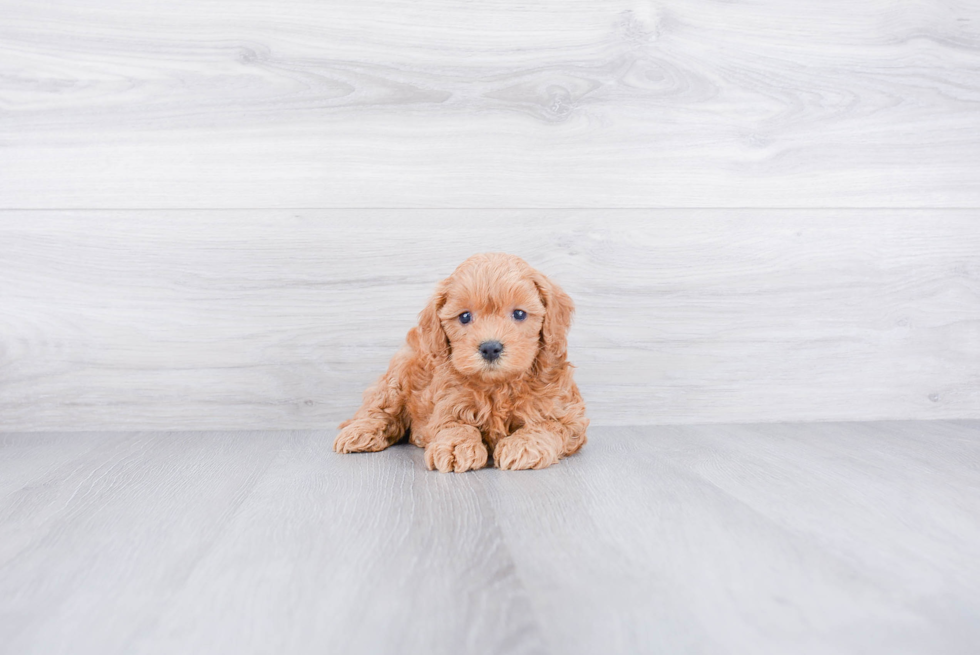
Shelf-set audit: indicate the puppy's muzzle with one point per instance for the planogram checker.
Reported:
(490, 350)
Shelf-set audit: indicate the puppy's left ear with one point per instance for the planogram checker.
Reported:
(558, 309)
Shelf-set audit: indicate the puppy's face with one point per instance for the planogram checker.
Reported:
(493, 317)
(493, 324)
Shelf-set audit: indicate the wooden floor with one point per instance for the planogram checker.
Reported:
(788, 538)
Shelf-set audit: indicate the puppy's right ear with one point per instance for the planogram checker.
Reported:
(432, 338)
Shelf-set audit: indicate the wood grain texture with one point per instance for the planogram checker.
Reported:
(817, 538)
(274, 319)
(729, 523)
(559, 103)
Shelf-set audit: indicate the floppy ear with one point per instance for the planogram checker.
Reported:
(432, 338)
(558, 309)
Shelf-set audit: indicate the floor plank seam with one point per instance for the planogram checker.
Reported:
(518, 576)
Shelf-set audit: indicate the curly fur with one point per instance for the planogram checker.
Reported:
(524, 407)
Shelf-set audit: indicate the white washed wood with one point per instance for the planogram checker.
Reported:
(101, 541)
(783, 538)
(820, 538)
(370, 103)
(354, 555)
(277, 319)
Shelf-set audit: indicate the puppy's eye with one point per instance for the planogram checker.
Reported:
(519, 314)
(465, 318)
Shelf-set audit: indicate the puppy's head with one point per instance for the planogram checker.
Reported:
(494, 316)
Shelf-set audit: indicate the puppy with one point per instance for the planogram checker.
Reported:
(484, 371)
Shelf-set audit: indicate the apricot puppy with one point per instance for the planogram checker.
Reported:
(484, 371)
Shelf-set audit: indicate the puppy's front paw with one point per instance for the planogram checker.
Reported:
(449, 455)
(533, 451)
(362, 435)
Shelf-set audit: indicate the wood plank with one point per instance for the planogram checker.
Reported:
(89, 552)
(754, 539)
(559, 103)
(815, 538)
(353, 554)
(272, 319)
(31, 457)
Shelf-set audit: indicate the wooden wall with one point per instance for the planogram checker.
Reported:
(273, 318)
(226, 214)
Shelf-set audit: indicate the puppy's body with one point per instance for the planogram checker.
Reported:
(499, 380)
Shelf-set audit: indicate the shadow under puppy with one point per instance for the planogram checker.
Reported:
(485, 368)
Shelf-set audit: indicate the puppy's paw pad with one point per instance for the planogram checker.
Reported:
(360, 437)
(455, 456)
(517, 453)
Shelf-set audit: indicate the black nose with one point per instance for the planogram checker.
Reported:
(491, 350)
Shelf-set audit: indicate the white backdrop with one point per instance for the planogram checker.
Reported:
(247, 319)
(190, 234)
